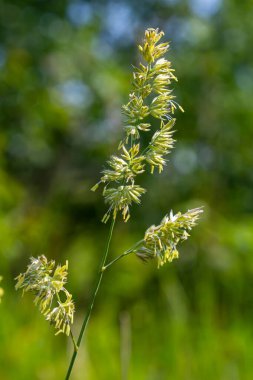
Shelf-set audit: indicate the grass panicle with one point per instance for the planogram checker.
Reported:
(47, 284)
(150, 100)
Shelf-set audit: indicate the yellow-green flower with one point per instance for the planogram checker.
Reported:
(161, 241)
(47, 283)
(150, 100)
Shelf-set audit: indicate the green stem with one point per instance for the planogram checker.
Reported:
(87, 316)
(74, 341)
(130, 250)
(114, 261)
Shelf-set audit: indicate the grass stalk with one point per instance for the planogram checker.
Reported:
(97, 286)
(130, 250)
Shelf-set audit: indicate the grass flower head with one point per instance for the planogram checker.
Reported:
(161, 241)
(150, 100)
(47, 284)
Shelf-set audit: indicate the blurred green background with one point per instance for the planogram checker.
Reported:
(65, 71)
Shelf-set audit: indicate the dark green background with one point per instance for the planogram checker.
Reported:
(65, 71)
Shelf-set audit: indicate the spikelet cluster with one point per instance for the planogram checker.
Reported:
(150, 100)
(1, 290)
(161, 241)
(47, 282)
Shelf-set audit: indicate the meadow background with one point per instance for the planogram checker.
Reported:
(65, 71)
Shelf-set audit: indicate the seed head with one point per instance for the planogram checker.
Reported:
(161, 241)
(150, 100)
(47, 284)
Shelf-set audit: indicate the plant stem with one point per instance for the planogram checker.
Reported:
(87, 316)
(114, 261)
(130, 250)
(74, 341)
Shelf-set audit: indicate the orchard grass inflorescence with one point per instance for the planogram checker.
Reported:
(161, 241)
(149, 110)
(150, 101)
(47, 284)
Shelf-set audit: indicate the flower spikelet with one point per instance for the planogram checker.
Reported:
(127, 166)
(150, 49)
(160, 145)
(121, 198)
(47, 284)
(161, 241)
(62, 316)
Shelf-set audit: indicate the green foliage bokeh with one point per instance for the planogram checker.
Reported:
(65, 71)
